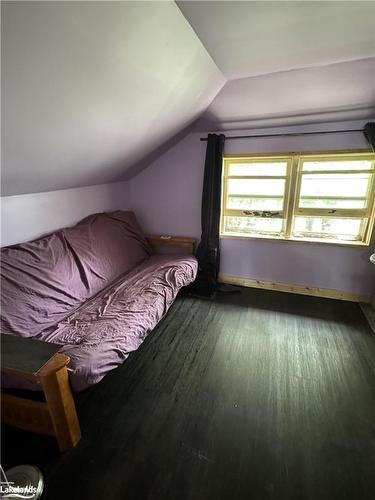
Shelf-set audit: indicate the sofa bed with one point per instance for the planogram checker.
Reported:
(96, 289)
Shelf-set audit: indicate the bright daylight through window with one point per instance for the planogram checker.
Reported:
(300, 197)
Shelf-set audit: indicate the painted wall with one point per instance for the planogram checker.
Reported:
(167, 197)
(28, 216)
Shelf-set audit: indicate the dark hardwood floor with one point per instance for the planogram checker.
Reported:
(254, 395)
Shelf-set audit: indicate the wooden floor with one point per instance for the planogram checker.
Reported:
(254, 395)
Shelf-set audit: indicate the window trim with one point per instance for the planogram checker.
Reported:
(291, 196)
(274, 213)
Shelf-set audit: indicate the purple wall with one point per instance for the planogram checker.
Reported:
(28, 216)
(334, 267)
(167, 196)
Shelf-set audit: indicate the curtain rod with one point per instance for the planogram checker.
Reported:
(292, 134)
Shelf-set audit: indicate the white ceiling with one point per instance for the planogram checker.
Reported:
(342, 91)
(248, 38)
(89, 88)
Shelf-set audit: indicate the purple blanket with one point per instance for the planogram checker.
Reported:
(93, 288)
(44, 280)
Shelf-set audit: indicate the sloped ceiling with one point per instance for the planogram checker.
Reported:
(254, 38)
(287, 63)
(336, 92)
(89, 88)
(92, 90)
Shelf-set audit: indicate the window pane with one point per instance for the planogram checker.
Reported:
(265, 187)
(253, 225)
(347, 229)
(337, 165)
(246, 203)
(335, 185)
(261, 168)
(311, 202)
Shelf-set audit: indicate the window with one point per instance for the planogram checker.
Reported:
(309, 197)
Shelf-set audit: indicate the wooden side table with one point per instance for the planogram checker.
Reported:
(39, 362)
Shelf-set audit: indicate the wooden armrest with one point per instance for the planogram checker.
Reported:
(27, 358)
(167, 240)
(40, 362)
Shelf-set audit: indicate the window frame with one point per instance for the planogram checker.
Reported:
(234, 212)
(291, 198)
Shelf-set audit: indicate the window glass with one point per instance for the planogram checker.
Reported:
(337, 165)
(253, 224)
(243, 169)
(255, 187)
(325, 226)
(236, 202)
(331, 202)
(335, 184)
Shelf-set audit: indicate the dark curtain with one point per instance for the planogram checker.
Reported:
(208, 251)
(369, 132)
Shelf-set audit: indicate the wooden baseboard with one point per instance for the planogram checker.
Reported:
(300, 289)
(369, 313)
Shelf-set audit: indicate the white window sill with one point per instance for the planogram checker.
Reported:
(264, 237)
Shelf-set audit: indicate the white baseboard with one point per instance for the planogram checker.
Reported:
(300, 289)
